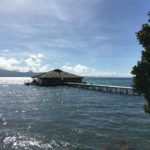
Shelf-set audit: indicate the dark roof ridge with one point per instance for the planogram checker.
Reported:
(57, 73)
(57, 70)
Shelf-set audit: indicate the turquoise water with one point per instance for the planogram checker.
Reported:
(110, 81)
(63, 118)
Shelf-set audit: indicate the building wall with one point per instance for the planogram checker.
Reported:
(51, 82)
(56, 81)
(37, 81)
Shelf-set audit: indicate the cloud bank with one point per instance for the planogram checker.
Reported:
(88, 71)
(34, 62)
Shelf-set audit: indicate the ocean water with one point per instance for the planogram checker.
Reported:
(110, 81)
(64, 118)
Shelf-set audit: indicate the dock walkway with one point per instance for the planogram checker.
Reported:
(104, 88)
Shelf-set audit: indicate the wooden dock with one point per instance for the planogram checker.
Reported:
(104, 88)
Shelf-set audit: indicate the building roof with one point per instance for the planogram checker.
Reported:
(56, 73)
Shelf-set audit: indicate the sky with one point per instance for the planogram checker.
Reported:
(86, 37)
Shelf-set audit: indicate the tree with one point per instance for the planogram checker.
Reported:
(141, 71)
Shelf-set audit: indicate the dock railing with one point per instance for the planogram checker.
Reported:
(104, 88)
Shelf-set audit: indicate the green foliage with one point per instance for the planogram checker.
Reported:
(147, 108)
(141, 71)
(144, 36)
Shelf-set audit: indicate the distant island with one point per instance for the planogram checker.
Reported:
(9, 73)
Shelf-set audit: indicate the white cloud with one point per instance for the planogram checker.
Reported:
(78, 69)
(88, 71)
(9, 64)
(32, 63)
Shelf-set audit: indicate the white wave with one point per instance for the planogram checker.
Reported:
(22, 142)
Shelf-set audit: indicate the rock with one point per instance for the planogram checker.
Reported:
(116, 145)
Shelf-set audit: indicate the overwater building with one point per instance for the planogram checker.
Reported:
(56, 77)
